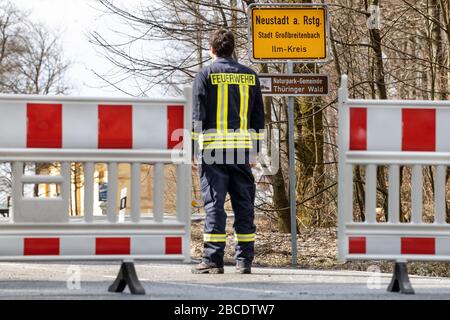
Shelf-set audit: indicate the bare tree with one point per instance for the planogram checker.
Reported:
(31, 59)
(406, 57)
(31, 62)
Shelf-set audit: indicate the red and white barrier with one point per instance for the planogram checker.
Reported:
(399, 128)
(373, 247)
(89, 131)
(72, 124)
(393, 133)
(87, 246)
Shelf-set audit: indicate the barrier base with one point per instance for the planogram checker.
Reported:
(127, 276)
(400, 280)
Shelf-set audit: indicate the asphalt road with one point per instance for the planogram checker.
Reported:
(174, 281)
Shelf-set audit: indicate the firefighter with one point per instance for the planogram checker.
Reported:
(228, 123)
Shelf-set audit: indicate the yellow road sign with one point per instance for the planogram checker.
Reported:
(288, 33)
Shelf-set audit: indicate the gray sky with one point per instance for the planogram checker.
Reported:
(74, 19)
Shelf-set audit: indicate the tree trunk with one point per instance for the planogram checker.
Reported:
(380, 83)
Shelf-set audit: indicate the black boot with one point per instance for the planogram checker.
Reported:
(203, 267)
(243, 267)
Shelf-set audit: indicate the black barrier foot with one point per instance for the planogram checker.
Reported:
(400, 280)
(127, 276)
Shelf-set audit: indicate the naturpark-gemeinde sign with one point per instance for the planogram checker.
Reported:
(293, 85)
(297, 33)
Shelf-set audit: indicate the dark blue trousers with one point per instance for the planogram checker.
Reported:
(216, 181)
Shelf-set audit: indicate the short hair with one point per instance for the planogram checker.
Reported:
(222, 41)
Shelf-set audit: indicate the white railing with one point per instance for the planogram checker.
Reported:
(42, 228)
(382, 136)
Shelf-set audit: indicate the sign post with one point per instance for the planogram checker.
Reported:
(290, 33)
(292, 175)
(123, 204)
(102, 192)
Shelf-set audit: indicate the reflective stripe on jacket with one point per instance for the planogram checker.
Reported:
(228, 110)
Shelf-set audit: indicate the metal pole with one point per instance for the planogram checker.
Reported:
(292, 177)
